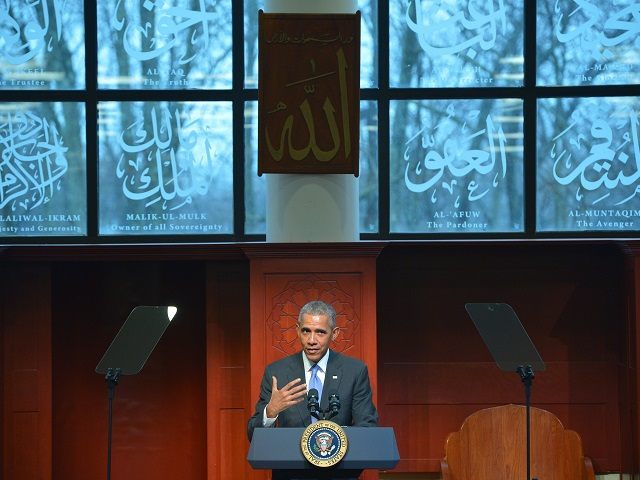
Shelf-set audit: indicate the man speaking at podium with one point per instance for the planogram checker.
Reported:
(286, 382)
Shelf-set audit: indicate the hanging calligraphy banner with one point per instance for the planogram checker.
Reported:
(308, 93)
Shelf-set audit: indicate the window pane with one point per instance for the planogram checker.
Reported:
(42, 45)
(251, 8)
(456, 166)
(588, 164)
(368, 180)
(587, 43)
(43, 186)
(368, 42)
(456, 43)
(165, 168)
(169, 44)
(255, 187)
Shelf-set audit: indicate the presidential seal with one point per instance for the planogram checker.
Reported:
(324, 443)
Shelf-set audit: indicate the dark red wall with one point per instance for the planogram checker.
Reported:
(435, 369)
(159, 415)
(184, 415)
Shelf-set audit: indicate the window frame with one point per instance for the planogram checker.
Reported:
(382, 94)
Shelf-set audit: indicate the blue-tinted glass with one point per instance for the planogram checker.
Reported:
(368, 180)
(43, 187)
(255, 187)
(164, 44)
(251, 8)
(42, 45)
(588, 164)
(368, 42)
(456, 43)
(591, 42)
(456, 166)
(165, 168)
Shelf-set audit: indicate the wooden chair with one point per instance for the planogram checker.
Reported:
(491, 445)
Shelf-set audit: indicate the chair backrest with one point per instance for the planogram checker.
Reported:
(491, 445)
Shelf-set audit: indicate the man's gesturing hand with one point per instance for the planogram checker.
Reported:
(292, 393)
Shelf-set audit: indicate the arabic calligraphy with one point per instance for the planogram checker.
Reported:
(605, 161)
(308, 104)
(440, 26)
(597, 30)
(304, 38)
(449, 159)
(166, 159)
(22, 40)
(33, 161)
(329, 110)
(175, 26)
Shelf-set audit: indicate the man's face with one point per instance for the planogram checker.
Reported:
(315, 335)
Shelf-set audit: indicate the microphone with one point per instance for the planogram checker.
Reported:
(312, 403)
(334, 405)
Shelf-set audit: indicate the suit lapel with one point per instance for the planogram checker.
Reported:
(296, 369)
(332, 378)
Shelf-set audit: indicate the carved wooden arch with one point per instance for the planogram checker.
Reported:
(281, 320)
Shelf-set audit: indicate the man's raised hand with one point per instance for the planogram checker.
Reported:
(292, 393)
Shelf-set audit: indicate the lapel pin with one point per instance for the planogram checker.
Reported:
(335, 377)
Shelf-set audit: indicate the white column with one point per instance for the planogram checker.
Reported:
(312, 208)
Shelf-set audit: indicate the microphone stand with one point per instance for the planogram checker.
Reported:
(313, 405)
(334, 406)
(332, 410)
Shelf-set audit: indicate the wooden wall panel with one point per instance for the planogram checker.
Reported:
(227, 371)
(631, 369)
(233, 445)
(159, 414)
(3, 300)
(27, 372)
(435, 369)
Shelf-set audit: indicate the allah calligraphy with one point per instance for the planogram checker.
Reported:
(308, 109)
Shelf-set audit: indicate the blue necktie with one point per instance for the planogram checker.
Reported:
(315, 382)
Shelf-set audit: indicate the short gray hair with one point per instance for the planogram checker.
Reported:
(318, 307)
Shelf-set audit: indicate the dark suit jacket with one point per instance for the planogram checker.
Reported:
(347, 376)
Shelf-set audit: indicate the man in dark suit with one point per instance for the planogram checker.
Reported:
(284, 386)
